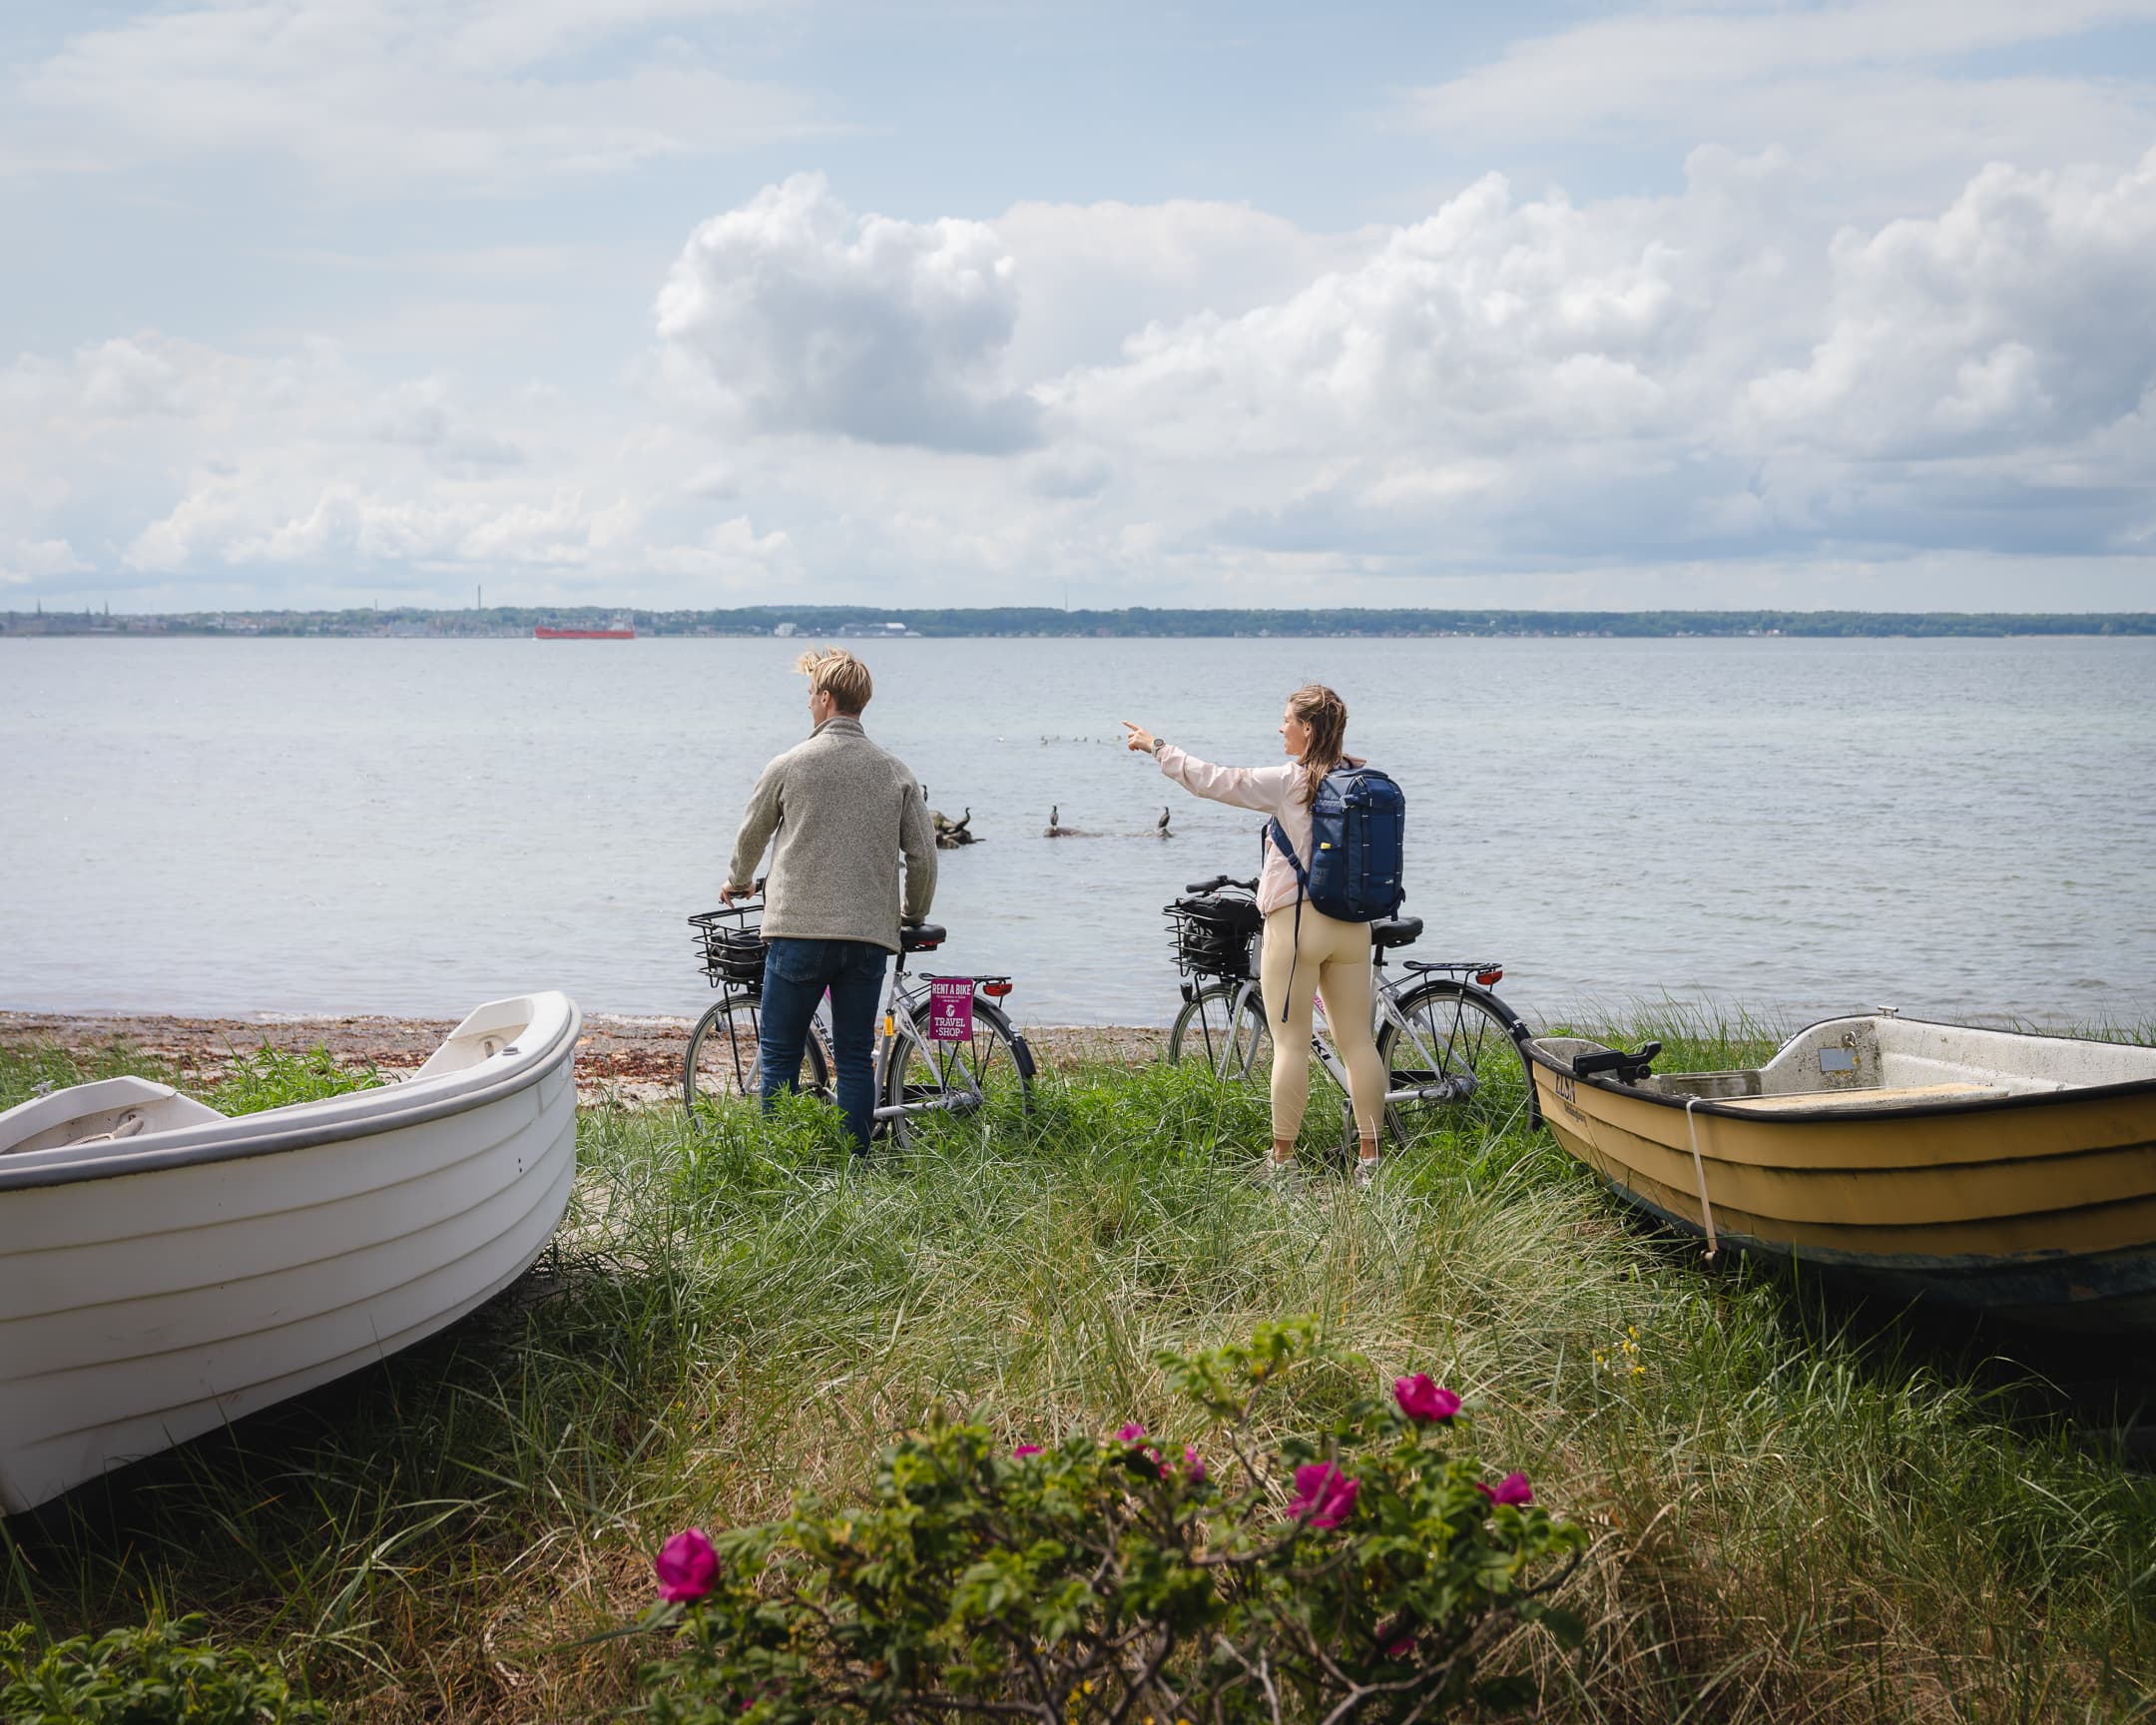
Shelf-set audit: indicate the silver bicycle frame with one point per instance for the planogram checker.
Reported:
(1386, 1010)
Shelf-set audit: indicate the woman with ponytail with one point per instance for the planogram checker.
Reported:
(1330, 957)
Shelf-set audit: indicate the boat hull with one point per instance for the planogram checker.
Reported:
(2039, 1208)
(144, 1308)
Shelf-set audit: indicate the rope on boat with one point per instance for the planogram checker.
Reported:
(1698, 1172)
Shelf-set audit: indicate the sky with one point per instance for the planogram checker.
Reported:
(717, 303)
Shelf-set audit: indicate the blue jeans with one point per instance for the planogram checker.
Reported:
(796, 974)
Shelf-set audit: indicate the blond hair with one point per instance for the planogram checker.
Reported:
(836, 670)
(1326, 716)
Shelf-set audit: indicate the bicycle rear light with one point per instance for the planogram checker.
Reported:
(995, 990)
(1488, 977)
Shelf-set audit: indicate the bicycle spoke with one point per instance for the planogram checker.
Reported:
(976, 1085)
(723, 1062)
(1453, 1056)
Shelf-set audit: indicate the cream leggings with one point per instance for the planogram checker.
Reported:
(1332, 958)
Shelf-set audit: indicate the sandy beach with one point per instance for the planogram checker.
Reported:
(633, 1059)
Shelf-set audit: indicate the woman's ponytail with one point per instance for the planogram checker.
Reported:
(1326, 716)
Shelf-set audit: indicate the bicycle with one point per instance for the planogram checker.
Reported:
(1452, 1048)
(939, 1050)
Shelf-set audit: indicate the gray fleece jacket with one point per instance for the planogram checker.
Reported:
(843, 812)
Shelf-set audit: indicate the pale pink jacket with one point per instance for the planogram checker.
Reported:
(1274, 791)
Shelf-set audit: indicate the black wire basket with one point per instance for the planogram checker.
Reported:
(733, 947)
(1215, 935)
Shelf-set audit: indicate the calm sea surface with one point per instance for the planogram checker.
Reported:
(412, 827)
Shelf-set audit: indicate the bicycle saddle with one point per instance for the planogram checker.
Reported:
(920, 937)
(1396, 931)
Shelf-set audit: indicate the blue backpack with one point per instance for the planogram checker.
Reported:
(1357, 849)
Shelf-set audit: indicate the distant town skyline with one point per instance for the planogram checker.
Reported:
(709, 304)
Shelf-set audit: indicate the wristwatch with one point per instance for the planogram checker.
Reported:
(1156, 748)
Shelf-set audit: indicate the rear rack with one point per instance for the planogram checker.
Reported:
(1486, 971)
(995, 987)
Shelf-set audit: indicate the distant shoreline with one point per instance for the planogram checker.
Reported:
(846, 622)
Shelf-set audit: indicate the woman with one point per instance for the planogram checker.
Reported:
(1333, 957)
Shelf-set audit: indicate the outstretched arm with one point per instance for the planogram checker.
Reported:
(1260, 787)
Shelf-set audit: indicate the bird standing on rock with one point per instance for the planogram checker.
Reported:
(1055, 827)
(1160, 825)
(949, 834)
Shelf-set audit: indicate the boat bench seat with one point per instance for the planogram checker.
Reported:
(1871, 1098)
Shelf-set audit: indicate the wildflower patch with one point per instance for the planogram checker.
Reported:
(1360, 1571)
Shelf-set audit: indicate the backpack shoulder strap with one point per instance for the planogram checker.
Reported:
(1279, 835)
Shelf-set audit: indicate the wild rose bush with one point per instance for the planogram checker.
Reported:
(1359, 1571)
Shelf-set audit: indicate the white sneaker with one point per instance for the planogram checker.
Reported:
(1366, 1171)
(1280, 1178)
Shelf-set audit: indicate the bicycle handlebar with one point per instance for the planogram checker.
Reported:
(1220, 880)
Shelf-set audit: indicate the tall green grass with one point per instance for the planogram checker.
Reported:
(1803, 1509)
(250, 1081)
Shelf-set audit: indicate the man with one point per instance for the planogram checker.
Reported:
(843, 812)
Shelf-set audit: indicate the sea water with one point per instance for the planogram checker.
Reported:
(1961, 828)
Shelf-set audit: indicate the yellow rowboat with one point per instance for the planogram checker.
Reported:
(1988, 1169)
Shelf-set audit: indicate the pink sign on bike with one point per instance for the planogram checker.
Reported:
(950, 1009)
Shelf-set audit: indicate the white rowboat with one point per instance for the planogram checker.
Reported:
(165, 1269)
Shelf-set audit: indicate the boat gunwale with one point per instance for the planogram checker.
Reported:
(529, 1069)
(1840, 1110)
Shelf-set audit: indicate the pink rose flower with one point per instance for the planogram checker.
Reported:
(687, 1566)
(1512, 1489)
(1130, 1433)
(1422, 1400)
(1193, 1465)
(1025, 1449)
(1403, 1648)
(1323, 1496)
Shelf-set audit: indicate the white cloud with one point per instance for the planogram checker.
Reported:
(1513, 383)
(1880, 102)
(1096, 275)
(801, 316)
(202, 465)
(1661, 61)
(375, 95)
(1510, 385)
(39, 559)
(2019, 317)
(1492, 324)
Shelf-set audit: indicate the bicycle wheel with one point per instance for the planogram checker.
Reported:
(722, 1062)
(1459, 1051)
(1235, 1043)
(986, 1082)
(1231, 1040)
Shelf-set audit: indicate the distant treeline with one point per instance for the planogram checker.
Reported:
(841, 621)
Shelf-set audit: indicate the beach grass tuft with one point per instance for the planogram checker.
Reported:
(1801, 1508)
